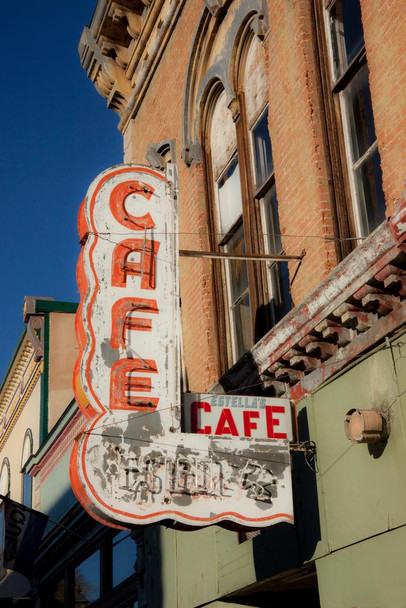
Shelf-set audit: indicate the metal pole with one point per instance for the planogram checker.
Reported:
(236, 256)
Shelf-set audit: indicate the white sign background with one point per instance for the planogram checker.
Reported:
(132, 465)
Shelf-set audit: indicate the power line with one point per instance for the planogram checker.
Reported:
(326, 237)
(233, 391)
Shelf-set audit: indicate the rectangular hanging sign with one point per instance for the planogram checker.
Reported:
(238, 416)
(132, 464)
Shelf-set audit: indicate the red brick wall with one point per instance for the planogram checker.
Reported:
(301, 169)
(297, 141)
(385, 34)
(160, 117)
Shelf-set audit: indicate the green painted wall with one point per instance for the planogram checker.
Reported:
(188, 569)
(349, 517)
(361, 489)
(371, 574)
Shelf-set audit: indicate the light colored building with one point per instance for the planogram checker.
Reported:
(35, 392)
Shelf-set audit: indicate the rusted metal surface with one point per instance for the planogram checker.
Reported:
(132, 464)
(235, 256)
(365, 426)
(361, 302)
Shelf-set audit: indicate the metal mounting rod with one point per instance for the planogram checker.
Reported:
(236, 256)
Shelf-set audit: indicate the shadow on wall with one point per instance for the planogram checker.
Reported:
(283, 547)
(305, 495)
(153, 571)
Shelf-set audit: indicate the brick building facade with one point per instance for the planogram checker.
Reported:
(286, 124)
(302, 69)
(284, 121)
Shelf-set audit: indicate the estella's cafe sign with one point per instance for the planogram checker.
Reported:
(133, 464)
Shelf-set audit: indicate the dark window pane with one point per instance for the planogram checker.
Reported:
(87, 580)
(262, 150)
(359, 107)
(368, 179)
(242, 319)
(280, 302)
(53, 595)
(124, 557)
(346, 33)
(27, 490)
(239, 296)
(237, 268)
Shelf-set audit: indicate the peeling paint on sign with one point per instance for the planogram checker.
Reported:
(132, 465)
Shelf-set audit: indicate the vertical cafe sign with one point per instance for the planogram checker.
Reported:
(132, 464)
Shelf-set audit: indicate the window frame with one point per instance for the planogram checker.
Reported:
(273, 281)
(348, 207)
(26, 454)
(122, 594)
(223, 240)
(252, 219)
(5, 470)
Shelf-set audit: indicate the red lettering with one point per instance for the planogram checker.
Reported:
(122, 318)
(248, 425)
(271, 422)
(117, 205)
(226, 424)
(123, 384)
(145, 268)
(195, 407)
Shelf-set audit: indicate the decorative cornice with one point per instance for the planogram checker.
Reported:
(14, 383)
(122, 47)
(359, 304)
(105, 72)
(35, 324)
(26, 365)
(16, 404)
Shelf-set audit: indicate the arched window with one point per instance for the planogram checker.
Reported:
(229, 228)
(5, 477)
(245, 219)
(26, 479)
(253, 88)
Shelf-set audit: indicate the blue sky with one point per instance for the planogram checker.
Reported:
(56, 136)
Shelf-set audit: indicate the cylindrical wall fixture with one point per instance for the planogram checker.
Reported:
(365, 426)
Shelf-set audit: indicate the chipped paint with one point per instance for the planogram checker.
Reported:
(349, 312)
(132, 465)
(195, 480)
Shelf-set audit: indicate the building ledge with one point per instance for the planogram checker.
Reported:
(122, 47)
(360, 303)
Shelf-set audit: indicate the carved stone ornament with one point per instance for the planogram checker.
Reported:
(122, 47)
(215, 6)
(156, 153)
(192, 154)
